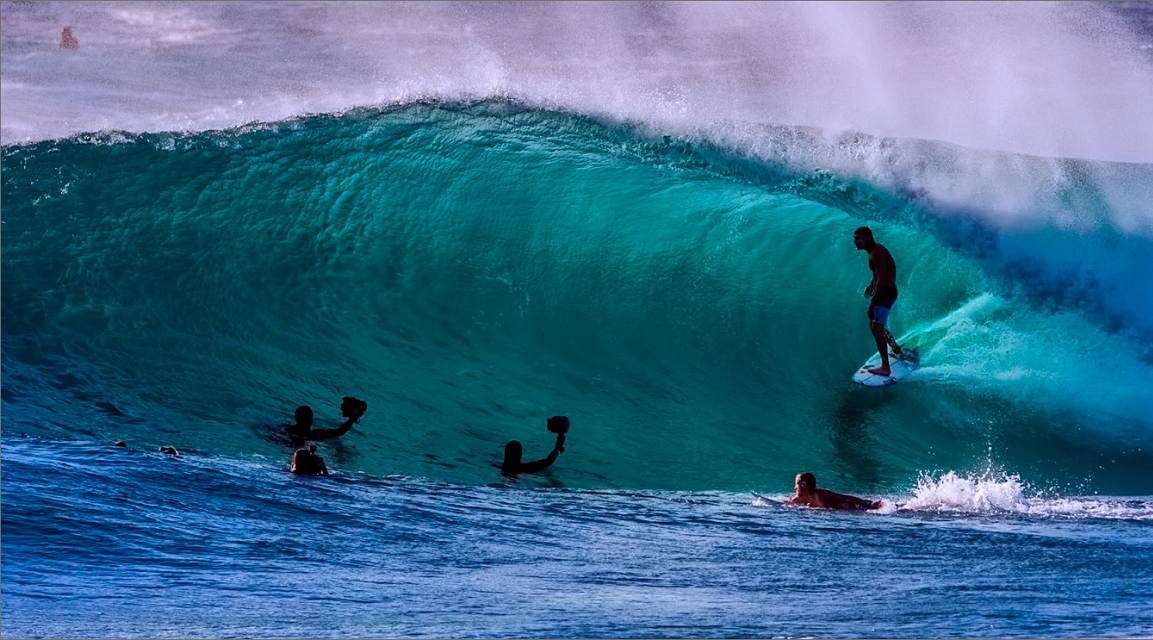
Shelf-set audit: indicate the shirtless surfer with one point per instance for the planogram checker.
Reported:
(883, 293)
(809, 495)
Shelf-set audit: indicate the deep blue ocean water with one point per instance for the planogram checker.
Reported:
(183, 267)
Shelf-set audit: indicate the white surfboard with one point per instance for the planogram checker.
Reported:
(900, 370)
(768, 502)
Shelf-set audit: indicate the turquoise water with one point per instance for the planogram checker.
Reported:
(642, 221)
(473, 270)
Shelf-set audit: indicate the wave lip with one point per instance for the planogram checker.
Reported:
(1053, 79)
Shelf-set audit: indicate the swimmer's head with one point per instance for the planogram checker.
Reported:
(303, 416)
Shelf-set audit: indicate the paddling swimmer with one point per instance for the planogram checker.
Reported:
(809, 495)
(305, 462)
(512, 464)
(302, 431)
(883, 293)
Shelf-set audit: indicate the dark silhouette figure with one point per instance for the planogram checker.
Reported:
(302, 431)
(512, 464)
(68, 41)
(882, 292)
(305, 462)
(809, 495)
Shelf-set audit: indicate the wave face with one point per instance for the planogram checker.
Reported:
(473, 268)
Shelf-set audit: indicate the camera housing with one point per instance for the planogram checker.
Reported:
(349, 404)
(558, 424)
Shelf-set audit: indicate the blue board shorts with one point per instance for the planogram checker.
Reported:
(881, 304)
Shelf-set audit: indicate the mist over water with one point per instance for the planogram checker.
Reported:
(1050, 79)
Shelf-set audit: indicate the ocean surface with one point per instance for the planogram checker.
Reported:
(475, 216)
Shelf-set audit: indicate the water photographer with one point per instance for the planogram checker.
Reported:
(513, 451)
(350, 408)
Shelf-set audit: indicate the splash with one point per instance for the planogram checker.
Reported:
(1007, 493)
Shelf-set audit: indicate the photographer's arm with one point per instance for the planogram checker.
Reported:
(320, 434)
(529, 467)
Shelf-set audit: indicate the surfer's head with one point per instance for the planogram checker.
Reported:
(863, 238)
(304, 416)
(512, 453)
(806, 481)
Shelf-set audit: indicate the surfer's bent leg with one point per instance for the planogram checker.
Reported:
(879, 308)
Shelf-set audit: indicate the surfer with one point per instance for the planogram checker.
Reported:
(809, 495)
(305, 462)
(513, 450)
(883, 293)
(302, 431)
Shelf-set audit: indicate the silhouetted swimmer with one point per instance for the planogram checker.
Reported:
(809, 495)
(170, 451)
(68, 41)
(512, 464)
(119, 443)
(305, 462)
(302, 431)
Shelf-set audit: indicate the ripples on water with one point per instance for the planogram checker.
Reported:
(131, 543)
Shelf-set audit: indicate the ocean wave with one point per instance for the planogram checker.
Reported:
(472, 268)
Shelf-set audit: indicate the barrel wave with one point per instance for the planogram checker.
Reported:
(471, 269)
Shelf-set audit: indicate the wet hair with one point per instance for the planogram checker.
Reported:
(303, 414)
(513, 451)
(306, 460)
(864, 231)
(807, 479)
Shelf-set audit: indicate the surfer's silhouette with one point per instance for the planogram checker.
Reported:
(512, 464)
(883, 293)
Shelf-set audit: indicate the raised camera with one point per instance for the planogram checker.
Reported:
(558, 424)
(350, 404)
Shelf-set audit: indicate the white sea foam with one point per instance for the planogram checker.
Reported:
(1007, 493)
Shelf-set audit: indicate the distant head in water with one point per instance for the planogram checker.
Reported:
(512, 454)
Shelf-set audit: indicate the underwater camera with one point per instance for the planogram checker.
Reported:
(350, 404)
(558, 424)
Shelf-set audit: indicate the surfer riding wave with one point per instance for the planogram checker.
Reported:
(883, 293)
